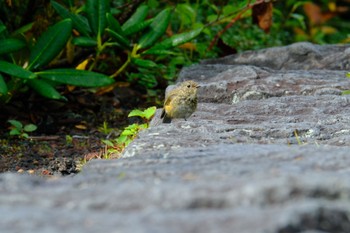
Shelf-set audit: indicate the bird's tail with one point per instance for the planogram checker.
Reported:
(165, 117)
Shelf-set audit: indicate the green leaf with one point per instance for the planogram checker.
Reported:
(18, 125)
(128, 132)
(135, 112)
(96, 11)
(138, 27)
(45, 89)
(14, 132)
(119, 38)
(346, 92)
(10, 45)
(144, 63)
(22, 30)
(139, 16)
(149, 112)
(30, 128)
(3, 86)
(186, 13)
(78, 23)
(155, 51)
(84, 42)
(50, 44)
(108, 143)
(348, 75)
(143, 126)
(175, 40)
(157, 29)
(15, 70)
(121, 139)
(81, 78)
(128, 141)
(130, 129)
(113, 24)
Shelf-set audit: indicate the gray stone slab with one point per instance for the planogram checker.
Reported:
(267, 151)
(239, 188)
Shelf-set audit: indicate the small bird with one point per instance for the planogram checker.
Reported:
(180, 102)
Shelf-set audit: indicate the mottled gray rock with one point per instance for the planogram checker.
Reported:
(298, 56)
(267, 151)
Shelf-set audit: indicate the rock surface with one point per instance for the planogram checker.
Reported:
(266, 152)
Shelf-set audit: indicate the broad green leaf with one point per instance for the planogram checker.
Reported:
(119, 38)
(14, 132)
(84, 41)
(139, 16)
(10, 45)
(144, 63)
(50, 44)
(128, 132)
(149, 112)
(138, 27)
(348, 75)
(16, 124)
(136, 112)
(78, 22)
(121, 139)
(157, 29)
(73, 77)
(96, 11)
(15, 70)
(30, 128)
(114, 25)
(175, 40)
(45, 89)
(3, 86)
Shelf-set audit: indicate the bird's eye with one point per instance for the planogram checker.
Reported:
(188, 86)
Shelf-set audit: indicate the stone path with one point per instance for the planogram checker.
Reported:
(266, 152)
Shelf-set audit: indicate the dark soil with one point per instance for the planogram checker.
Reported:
(69, 133)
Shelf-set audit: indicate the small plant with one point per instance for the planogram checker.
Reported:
(139, 39)
(105, 128)
(14, 75)
(20, 130)
(129, 133)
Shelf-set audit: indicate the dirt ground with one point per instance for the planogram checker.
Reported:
(69, 133)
